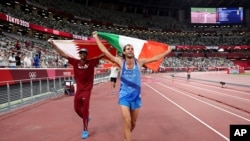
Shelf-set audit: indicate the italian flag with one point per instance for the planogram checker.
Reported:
(142, 48)
(72, 47)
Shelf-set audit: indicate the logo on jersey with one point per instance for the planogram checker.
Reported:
(85, 66)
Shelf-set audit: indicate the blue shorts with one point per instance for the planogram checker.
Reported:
(131, 105)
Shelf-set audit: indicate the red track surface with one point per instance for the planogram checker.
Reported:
(173, 110)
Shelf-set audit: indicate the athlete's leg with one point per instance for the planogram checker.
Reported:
(111, 82)
(114, 82)
(81, 106)
(85, 113)
(85, 109)
(77, 104)
(126, 122)
(134, 111)
(134, 115)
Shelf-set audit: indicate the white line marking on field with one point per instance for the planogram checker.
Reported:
(206, 102)
(245, 93)
(219, 93)
(211, 128)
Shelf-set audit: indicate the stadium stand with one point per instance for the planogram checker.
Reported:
(26, 25)
(189, 42)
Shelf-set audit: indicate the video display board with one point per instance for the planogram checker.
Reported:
(220, 15)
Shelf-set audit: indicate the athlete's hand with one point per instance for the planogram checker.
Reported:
(95, 34)
(50, 40)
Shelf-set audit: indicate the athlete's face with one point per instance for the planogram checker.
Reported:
(83, 55)
(128, 51)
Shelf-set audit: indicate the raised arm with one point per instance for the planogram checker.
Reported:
(155, 58)
(104, 50)
(57, 49)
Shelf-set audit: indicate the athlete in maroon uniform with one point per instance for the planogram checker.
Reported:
(84, 76)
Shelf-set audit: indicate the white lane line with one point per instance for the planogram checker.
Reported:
(245, 93)
(219, 93)
(174, 89)
(211, 128)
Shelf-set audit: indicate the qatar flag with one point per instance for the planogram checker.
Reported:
(72, 47)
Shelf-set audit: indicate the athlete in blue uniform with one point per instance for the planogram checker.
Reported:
(130, 89)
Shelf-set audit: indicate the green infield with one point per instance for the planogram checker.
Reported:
(245, 74)
(210, 10)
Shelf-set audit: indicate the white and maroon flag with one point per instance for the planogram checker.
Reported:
(142, 48)
(72, 47)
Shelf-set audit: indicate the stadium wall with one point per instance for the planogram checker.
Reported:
(13, 76)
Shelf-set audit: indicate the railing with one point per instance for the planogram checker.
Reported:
(18, 94)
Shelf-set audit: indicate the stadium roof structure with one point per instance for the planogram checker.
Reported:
(180, 4)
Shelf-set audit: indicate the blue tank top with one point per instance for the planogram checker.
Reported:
(130, 89)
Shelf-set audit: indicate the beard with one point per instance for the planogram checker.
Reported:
(130, 56)
(83, 57)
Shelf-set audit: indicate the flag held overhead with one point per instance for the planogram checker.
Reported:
(142, 48)
(73, 47)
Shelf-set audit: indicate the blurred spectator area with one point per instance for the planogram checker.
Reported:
(86, 16)
(97, 15)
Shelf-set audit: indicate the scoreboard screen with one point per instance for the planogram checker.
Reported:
(229, 15)
(220, 15)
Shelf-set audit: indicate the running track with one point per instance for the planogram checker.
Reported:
(174, 109)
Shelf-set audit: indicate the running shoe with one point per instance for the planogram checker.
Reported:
(85, 134)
